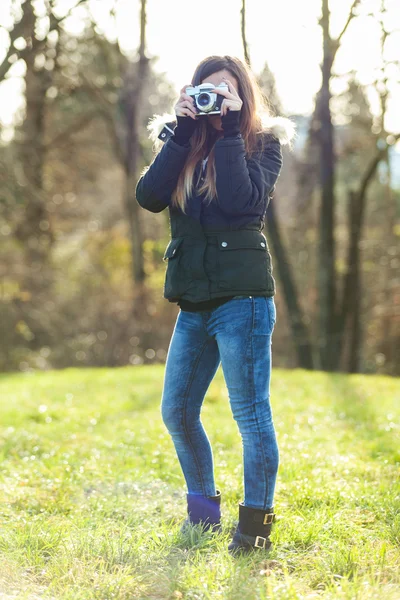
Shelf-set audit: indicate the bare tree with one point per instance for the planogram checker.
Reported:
(135, 86)
(243, 30)
(328, 335)
(39, 52)
(24, 28)
(123, 119)
(299, 329)
(349, 309)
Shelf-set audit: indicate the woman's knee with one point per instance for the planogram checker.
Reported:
(177, 418)
(170, 414)
(174, 416)
(254, 417)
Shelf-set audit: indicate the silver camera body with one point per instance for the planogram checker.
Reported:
(207, 102)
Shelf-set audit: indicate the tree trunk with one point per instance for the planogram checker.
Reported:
(350, 308)
(352, 284)
(34, 231)
(327, 339)
(300, 333)
(137, 77)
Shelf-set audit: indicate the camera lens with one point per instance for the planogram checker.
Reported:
(204, 99)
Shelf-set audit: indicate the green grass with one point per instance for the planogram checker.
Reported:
(92, 496)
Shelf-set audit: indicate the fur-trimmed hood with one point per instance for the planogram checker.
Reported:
(281, 127)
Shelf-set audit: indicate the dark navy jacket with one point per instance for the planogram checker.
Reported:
(243, 186)
(200, 264)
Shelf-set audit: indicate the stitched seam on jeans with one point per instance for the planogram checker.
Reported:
(184, 412)
(254, 409)
(269, 313)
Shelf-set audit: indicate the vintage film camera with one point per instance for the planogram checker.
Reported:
(207, 102)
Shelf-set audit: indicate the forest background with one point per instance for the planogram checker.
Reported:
(81, 269)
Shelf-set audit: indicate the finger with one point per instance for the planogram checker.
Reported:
(228, 95)
(187, 97)
(228, 106)
(189, 104)
(232, 88)
(188, 113)
(221, 91)
(183, 90)
(230, 84)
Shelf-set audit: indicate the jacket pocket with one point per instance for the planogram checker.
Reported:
(244, 261)
(175, 282)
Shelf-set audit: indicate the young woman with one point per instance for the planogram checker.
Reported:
(216, 174)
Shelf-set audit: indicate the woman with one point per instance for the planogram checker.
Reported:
(216, 173)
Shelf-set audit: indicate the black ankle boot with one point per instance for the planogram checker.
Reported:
(205, 510)
(253, 530)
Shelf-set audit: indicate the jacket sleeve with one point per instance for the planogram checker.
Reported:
(244, 184)
(154, 188)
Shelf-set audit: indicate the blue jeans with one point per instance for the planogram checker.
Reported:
(237, 334)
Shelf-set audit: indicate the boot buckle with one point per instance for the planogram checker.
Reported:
(266, 522)
(258, 537)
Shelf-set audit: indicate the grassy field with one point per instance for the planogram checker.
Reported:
(92, 496)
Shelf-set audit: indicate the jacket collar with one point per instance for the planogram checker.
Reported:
(281, 127)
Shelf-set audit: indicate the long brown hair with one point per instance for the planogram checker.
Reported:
(254, 108)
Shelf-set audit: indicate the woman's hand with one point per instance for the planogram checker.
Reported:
(185, 106)
(232, 100)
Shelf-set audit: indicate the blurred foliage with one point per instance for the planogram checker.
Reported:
(66, 290)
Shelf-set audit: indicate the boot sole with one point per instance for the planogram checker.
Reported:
(244, 544)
